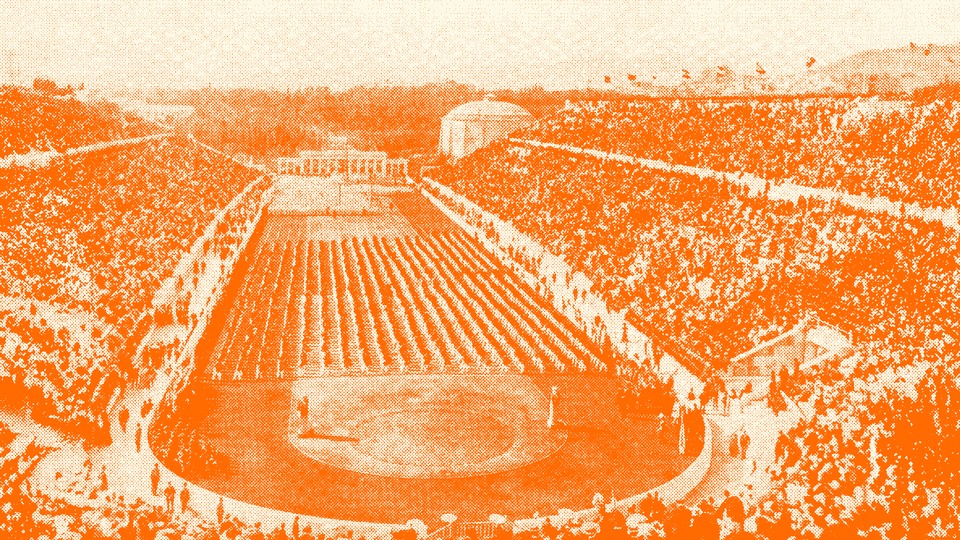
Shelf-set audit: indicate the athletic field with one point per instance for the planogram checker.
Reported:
(428, 366)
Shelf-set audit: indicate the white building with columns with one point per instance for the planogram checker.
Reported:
(355, 165)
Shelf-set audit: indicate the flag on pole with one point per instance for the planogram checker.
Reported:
(760, 70)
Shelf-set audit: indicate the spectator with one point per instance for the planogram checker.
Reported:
(155, 479)
(170, 494)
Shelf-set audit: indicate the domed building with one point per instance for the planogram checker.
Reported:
(476, 124)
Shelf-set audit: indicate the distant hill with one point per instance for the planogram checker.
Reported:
(912, 66)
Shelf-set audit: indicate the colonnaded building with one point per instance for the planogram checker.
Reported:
(358, 163)
(473, 125)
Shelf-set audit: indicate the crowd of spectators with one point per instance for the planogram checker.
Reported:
(62, 375)
(87, 507)
(903, 150)
(642, 390)
(91, 510)
(711, 269)
(701, 265)
(706, 268)
(32, 120)
(97, 233)
(875, 460)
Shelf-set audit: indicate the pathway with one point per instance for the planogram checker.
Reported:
(746, 478)
(42, 159)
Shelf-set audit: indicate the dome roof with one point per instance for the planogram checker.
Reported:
(487, 108)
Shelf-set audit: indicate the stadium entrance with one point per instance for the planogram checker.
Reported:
(360, 165)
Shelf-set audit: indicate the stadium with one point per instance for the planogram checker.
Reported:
(614, 316)
(423, 363)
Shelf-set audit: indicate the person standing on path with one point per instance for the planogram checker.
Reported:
(744, 443)
(170, 493)
(124, 417)
(155, 479)
(184, 498)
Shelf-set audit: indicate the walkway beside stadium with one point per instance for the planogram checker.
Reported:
(785, 191)
(42, 159)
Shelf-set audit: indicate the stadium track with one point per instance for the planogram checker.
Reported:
(603, 453)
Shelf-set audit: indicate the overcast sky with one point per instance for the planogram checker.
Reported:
(291, 43)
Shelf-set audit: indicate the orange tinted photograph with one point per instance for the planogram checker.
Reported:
(487, 270)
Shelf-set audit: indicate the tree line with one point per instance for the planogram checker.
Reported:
(401, 120)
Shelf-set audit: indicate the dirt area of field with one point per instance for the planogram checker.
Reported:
(431, 426)
(391, 213)
(604, 452)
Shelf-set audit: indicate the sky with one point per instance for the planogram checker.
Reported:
(492, 44)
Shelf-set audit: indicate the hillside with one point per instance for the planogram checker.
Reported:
(913, 66)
